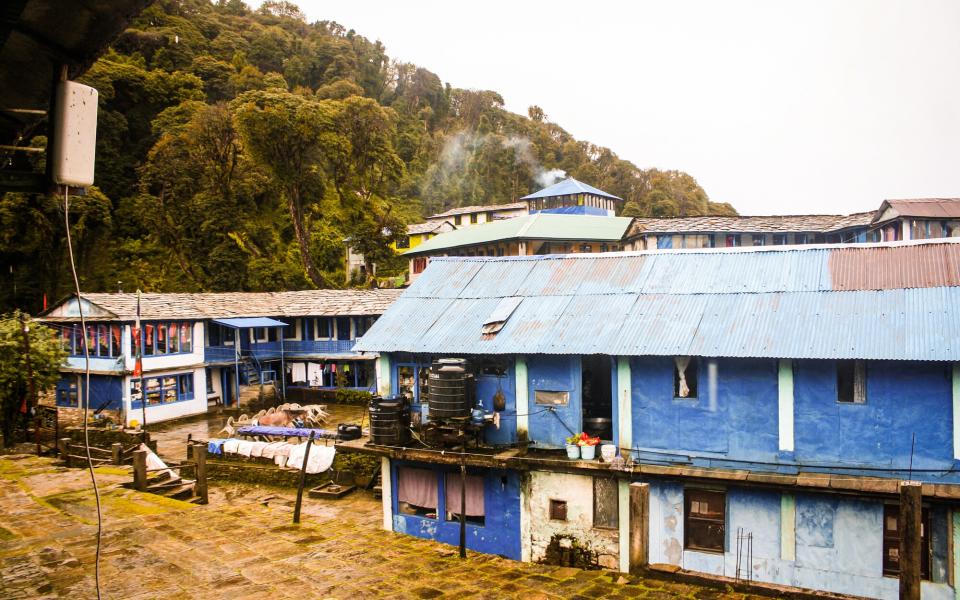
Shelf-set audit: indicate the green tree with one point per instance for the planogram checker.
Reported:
(46, 356)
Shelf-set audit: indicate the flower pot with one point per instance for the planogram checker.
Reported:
(573, 451)
(588, 452)
(607, 452)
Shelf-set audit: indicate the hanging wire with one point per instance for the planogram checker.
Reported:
(86, 387)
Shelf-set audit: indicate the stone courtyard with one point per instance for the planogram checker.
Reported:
(243, 545)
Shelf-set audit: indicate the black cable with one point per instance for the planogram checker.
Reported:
(86, 387)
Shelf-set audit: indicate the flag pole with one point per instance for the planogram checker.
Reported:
(138, 371)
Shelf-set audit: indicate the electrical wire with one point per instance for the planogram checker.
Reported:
(86, 388)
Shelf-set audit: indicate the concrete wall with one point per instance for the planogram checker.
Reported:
(577, 491)
(830, 543)
(500, 533)
(166, 412)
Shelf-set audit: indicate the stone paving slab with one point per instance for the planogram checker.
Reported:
(243, 545)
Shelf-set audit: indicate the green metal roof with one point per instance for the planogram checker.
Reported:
(539, 226)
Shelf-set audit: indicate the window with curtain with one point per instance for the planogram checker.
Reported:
(417, 492)
(474, 510)
(685, 377)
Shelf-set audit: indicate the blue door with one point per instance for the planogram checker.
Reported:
(555, 405)
(487, 386)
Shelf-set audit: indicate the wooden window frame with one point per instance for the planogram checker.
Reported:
(892, 539)
(614, 522)
(558, 509)
(855, 392)
(689, 517)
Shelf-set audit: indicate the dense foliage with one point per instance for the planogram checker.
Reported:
(242, 150)
(46, 356)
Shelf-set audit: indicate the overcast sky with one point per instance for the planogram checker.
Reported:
(776, 107)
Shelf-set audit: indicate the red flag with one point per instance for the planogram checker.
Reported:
(44, 302)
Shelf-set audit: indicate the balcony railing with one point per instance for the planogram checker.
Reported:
(271, 350)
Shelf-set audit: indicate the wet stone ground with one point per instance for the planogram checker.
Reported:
(243, 545)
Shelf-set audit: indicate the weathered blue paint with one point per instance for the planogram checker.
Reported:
(550, 425)
(500, 533)
(903, 398)
(487, 386)
(838, 541)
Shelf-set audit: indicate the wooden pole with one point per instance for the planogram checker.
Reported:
(910, 546)
(31, 385)
(140, 470)
(200, 455)
(639, 525)
(463, 500)
(303, 480)
(116, 451)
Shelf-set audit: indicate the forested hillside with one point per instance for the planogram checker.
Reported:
(238, 150)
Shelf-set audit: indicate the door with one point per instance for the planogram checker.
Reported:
(555, 409)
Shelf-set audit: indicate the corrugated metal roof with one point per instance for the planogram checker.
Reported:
(932, 208)
(568, 187)
(898, 301)
(539, 226)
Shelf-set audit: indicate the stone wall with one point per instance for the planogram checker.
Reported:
(577, 492)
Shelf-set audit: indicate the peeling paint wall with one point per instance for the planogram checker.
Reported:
(838, 541)
(577, 491)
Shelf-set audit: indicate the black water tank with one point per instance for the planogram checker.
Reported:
(388, 421)
(451, 389)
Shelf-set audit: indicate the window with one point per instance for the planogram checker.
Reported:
(759, 240)
(185, 384)
(324, 328)
(156, 339)
(704, 520)
(290, 331)
(417, 492)
(67, 394)
(457, 220)
(165, 389)
(473, 497)
(210, 389)
(606, 503)
(733, 241)
(419, 264)
(403, 242)
(343, 328)
(405, 382)
(558, 510)
(547, 398)
(779, 239)
(473, 218)
(361, 324)
(851, 382)
(800, 238)
(586, 248)
(891, 541)
(685, 377)
(103, 339)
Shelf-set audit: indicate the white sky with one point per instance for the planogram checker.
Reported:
(776, 107)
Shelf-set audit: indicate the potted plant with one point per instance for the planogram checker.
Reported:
(573, 447)
(588, 446)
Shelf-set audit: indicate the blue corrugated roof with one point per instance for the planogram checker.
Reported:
(889, 301)
(568, 187)
(243, 322)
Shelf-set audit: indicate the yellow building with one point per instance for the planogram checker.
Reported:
(421, 232)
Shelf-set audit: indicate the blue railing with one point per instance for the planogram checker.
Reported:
(271, 350)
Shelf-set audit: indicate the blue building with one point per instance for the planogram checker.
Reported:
(204, 349)
(774, 394)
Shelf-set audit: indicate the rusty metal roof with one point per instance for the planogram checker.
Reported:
(896, 301)
(930, 208)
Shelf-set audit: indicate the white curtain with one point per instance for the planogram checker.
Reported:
(682, 363)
